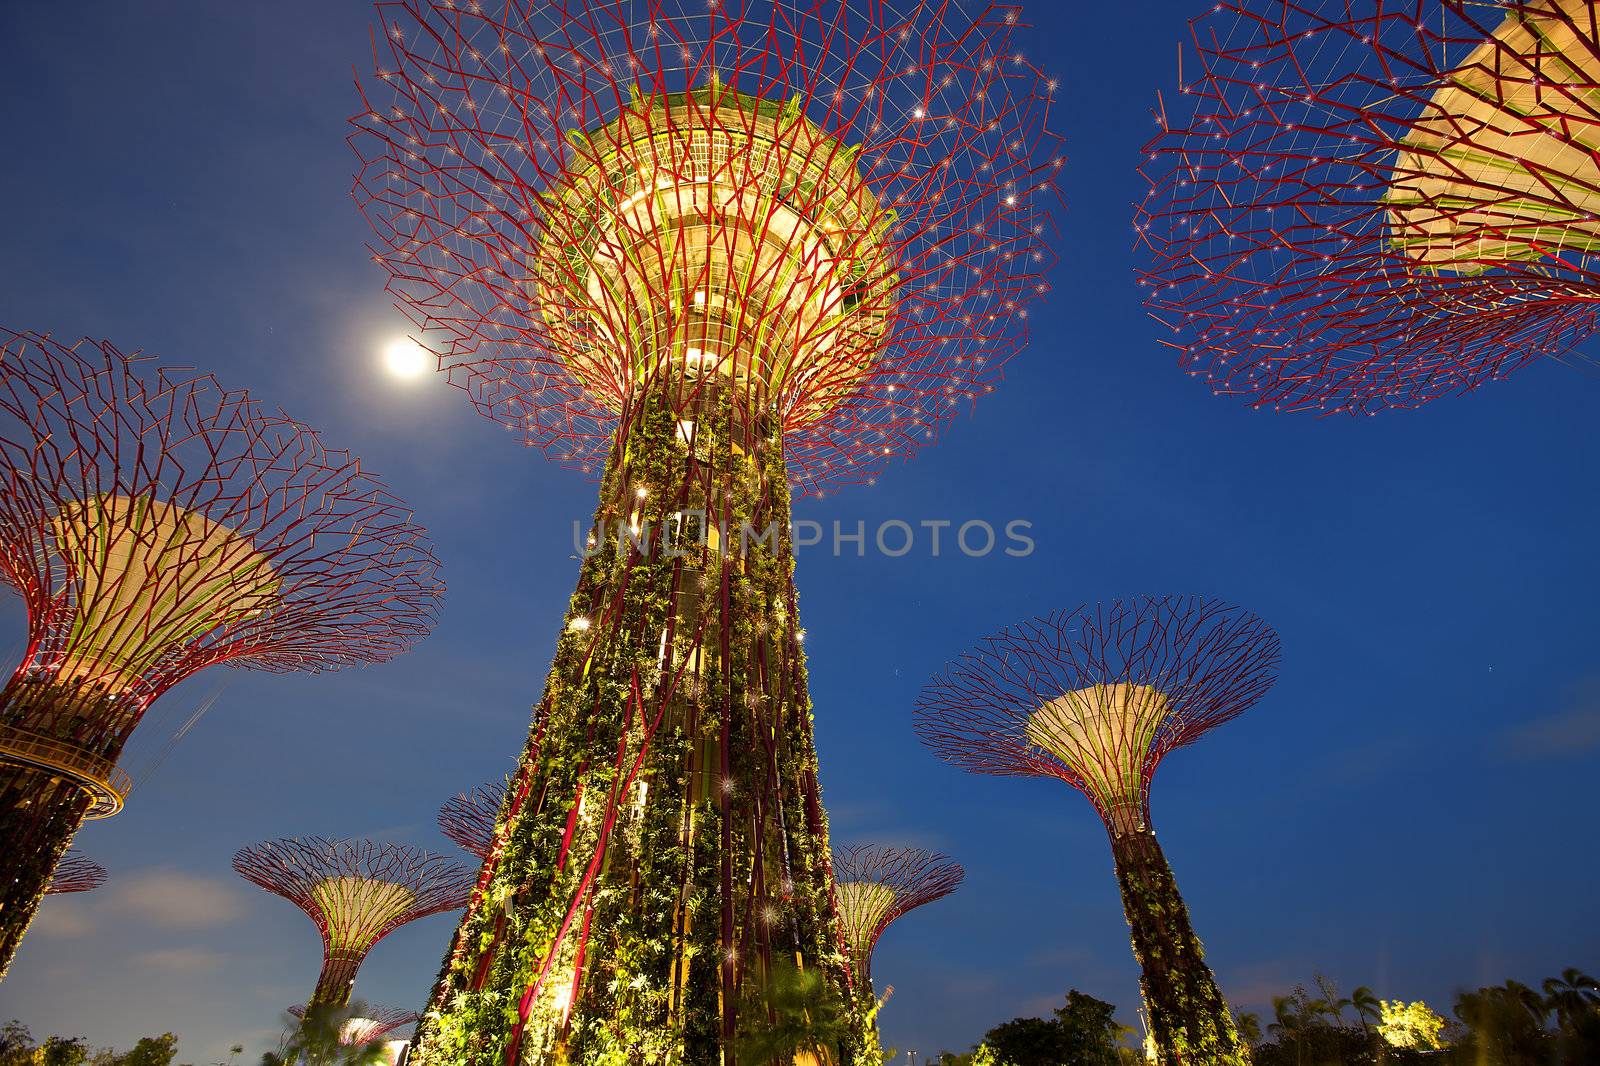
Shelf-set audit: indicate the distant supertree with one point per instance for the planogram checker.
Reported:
(74, 873)
(1097, 697)
(156, 524)
(469, 819)
(1361, 204)
(876, 885)
(357, 892)
(373, 1023)
(715, 253)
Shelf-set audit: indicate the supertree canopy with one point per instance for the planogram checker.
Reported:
(373, 1023)
(469, 819)
(717, 250)
(1097, 697)
(155, 524)
(357, 892)
(877, 885)
(1359, 204)
(75, 873)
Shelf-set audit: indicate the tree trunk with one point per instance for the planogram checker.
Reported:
(1189, 1018)
(664, 848)
(39, 813)
(335, 982)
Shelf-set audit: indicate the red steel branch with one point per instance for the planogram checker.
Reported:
(1207, 660)
(943, 116)
(356, 892)
(878, 885)
(1357, 205)
(468, 819)
(75, 873)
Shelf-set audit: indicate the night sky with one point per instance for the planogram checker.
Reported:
(1410, 808)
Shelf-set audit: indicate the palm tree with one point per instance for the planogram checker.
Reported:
(1291, 1014)
(1367, 1006)
(807, 1020)
(1571, 996)
(1249, 1024)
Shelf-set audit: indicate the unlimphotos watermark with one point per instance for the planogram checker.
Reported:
(687, 532)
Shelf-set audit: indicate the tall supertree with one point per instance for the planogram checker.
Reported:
(1097, 697)
(1363, 204)
(75, 873)
(714, 252)
(373, 1023)
(469, 819)
(876, 885)
(156, 524)
(357, 892)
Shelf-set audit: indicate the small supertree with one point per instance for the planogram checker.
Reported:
(75, 873)
(371, 1023)
(1097, 697)
(1362, 204)
(156, 524)
(715, 253)
(876, 885)
(357, 892)
(469, 819)
(873, 887)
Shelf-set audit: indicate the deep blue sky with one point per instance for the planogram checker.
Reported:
(1410, 808)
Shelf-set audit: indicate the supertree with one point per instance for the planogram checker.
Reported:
(373, 1023)
(75, 873)
(876, 885)
(156, 524)
(357, 892)
(1363, 204)
(713, 252)
(1097, 697)
(468, 819)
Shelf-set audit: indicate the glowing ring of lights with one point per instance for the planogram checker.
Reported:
(106, 785)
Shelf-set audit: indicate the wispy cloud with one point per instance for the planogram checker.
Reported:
(1573, 730)
(66, 917)
(171, 899)
(178, 960)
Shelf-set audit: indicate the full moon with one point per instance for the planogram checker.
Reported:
(404, 358)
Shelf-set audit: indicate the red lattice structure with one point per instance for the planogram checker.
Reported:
(502, 132)
(154, 524)
(875, 886)
(468, 819)
(357, 892)
(76, 873)
(1098, 697)
(1364, 205)
(371, 1023)
(714, 253)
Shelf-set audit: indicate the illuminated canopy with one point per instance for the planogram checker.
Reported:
(710, 231)
(146, 577)
(1503, 166)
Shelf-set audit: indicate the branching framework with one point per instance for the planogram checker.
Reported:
(877, 885)
(374, 1023)
(1363, 205)
(716, 253)
(75, 873)
(469, 819)
(528, 156)
(155, 524)
(356, 891)
(1098, 697)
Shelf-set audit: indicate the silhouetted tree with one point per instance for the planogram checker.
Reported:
(806, 1015)
(316, 1039)
(1505, 1027)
